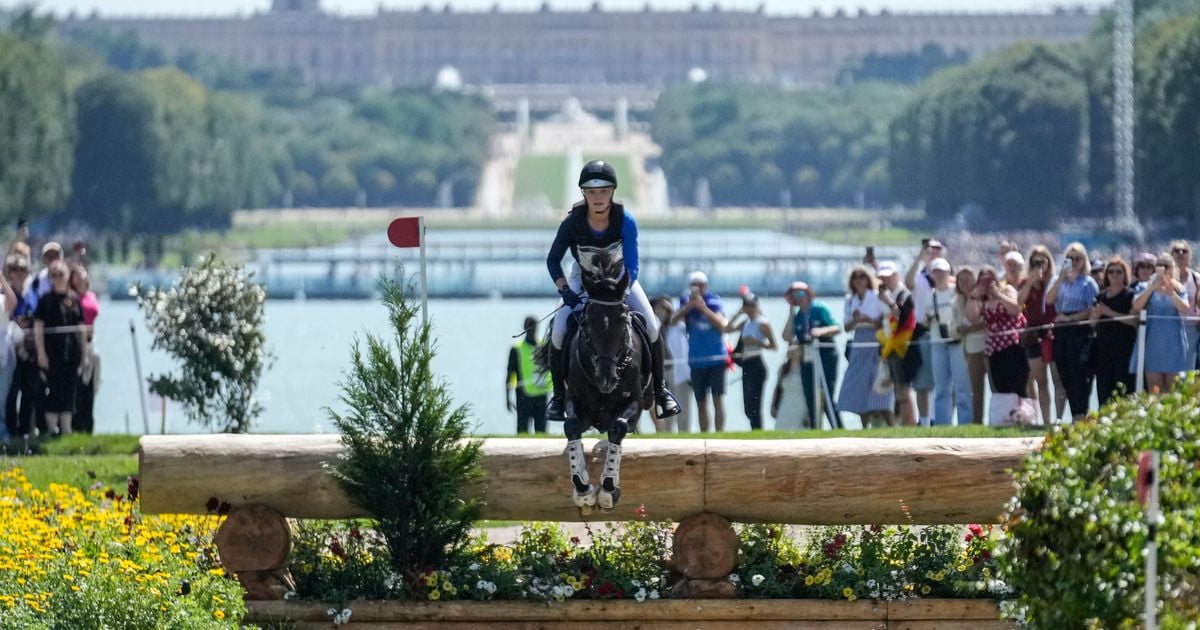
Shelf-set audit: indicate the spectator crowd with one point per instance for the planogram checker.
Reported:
(1032, 338)
(49, 370)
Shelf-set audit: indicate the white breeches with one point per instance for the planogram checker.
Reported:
(635, 299)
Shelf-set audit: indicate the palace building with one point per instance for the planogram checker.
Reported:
(647, 47)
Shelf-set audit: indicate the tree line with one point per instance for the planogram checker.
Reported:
(103, 130)
(1022, 137)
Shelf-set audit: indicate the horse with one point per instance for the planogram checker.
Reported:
(608, 381)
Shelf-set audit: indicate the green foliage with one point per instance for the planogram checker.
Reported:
(211, 320)
(888, 563)
(37, 128)
(909, 68)
(753, 143)
(1076, 534)
(408, 456)
(1006, 133)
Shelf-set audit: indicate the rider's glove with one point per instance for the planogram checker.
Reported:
(569, 297)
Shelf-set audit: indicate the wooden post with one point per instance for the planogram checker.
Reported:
(705, 551)
(254, 543)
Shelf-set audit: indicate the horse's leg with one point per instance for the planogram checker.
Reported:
(610, 480)
(584, 493)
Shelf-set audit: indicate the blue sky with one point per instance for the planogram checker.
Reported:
(211, 7)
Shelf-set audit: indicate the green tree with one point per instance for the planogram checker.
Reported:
(37, 129)
(407, 457)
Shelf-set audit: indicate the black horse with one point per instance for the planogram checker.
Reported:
(608, 380)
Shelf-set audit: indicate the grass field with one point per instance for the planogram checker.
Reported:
(546, 176)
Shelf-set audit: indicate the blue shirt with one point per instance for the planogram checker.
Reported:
(1076, 296)
(576, 235)
(706, 343)
(26, 303)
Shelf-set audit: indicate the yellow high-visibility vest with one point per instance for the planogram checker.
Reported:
(531, 381)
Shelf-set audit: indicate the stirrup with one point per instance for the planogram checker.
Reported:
(668, 405)
(554, 410)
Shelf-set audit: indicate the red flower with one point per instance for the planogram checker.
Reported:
(640, 510)
(335, 546)
(840, 539)
(987, 555)
(133, 488)
(967, 538)
(975, 529)
(354, 533)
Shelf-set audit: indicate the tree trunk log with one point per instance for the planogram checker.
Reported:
(705, 546)
(830, 481)
(253, 538)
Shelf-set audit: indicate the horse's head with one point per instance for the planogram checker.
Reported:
(606, 331)
(607, 280)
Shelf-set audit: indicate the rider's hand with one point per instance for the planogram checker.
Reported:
(569, 297)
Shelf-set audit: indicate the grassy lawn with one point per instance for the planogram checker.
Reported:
(541, 176)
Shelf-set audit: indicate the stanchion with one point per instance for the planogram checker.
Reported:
(1147, 486)
(1141, 357)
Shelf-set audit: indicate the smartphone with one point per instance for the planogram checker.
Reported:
(870, 250)
(925, 243)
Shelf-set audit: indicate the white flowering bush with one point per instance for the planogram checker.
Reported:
(1076, 534)
(211, 321)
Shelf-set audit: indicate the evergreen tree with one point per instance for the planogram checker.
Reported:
(408, 456)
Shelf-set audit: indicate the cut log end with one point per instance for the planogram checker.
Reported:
(705, 547)
(254, 538)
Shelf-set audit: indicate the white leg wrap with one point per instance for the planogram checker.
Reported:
(609, 491)
(582, 491)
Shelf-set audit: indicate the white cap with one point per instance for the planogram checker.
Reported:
(886, 268)
(697, 277)
(940, 264)
(1015, 256)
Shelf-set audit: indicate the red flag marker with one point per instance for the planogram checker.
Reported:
(405, 232)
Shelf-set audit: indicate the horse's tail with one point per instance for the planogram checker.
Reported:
(541, 355)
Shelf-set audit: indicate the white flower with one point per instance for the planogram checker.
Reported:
(289, 595)
(733, 577)
(568, 590)
(640, 595)
(346, 613)
(474, 566)
(654, 594)
(757, 580)
(331, 612)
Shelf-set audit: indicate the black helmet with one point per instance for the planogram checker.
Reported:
(597, 174)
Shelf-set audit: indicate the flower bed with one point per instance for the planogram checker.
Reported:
(75, 560)
(340, 562)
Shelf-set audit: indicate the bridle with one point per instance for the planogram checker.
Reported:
(592, 356)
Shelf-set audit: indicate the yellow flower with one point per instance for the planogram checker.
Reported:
(219, 614)
(847, 592)
(925, 590)
(808, 580)
(435, 594)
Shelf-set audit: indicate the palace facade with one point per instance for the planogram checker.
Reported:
(648, 47)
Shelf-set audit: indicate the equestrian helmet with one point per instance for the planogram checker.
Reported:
(598, 174)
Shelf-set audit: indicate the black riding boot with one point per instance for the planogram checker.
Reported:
(663, 398)
(556, 410)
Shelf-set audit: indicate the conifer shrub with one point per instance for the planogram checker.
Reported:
(408, 454)
(1076, 533)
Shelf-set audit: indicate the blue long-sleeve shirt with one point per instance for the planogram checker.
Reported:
(584, 242)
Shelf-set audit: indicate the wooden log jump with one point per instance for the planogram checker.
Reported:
(816, 482)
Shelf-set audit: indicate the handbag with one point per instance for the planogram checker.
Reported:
(1008, 410)
(883, 378)
(737, 356)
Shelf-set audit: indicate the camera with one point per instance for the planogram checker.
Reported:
(944, 330)
(925, 242)
(870, 250)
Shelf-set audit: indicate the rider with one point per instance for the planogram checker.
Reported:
(597, 225)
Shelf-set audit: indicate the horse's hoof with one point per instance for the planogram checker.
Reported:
(608, 499)
(585, 499)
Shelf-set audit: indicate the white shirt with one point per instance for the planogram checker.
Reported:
(869, 306)
(677, 344)
(945, 309)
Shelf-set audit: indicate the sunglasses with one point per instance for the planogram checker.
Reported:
(58, 274)
(1074, 258)
(1181, 251)
(1113, 272)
